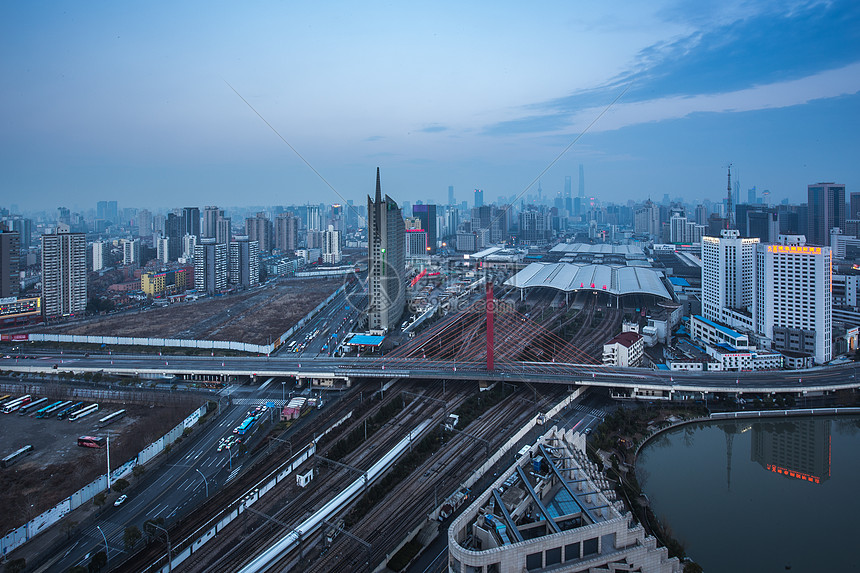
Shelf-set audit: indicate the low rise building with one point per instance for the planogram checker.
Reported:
(625, 350)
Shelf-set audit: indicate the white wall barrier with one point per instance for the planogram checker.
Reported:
(48, 518)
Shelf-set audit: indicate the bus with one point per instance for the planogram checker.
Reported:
(45, 412)
(69, 410)
(15, 456)
(83, 412)
(243, 428)
(16, 404)
(4, 398)
(110, 419)
(91, 441)
(31, 405)
(39, 413)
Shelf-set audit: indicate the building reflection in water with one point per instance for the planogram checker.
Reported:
(796, 449)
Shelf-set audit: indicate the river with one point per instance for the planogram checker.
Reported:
(752, 495)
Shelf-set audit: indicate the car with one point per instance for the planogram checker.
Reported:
(119, 501)
(587, 431)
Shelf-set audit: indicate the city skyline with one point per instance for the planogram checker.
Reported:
(132, 104)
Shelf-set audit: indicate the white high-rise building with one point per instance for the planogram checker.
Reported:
(331, 246)
(130, 251)
(793, 296)
(188, 244)
(728, 278)
(210, 266)
(64, 273)
(100, 255)
(162, 249)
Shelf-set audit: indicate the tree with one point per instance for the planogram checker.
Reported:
(120, 485)
(99, 499)
(131, 536)
(98, 561)
(138, 470)
(15, 566)
(69, 527)
(78, 569)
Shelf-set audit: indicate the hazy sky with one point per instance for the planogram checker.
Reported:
(130, 101)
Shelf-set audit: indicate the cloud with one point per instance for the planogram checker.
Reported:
(435, 128)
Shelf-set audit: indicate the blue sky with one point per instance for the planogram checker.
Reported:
(112, 100)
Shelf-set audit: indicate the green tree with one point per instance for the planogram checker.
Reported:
(99, 499)
(69, 527)
(98, 561)
(138, 470)
(78, 569)
(131, 536)
(120, 485)
(15, 566)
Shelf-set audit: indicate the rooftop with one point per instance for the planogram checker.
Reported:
(572, 277)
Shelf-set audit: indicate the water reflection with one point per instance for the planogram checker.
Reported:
(795, 449)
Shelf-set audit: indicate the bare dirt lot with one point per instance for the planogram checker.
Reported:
(257, 316)
(58, 467)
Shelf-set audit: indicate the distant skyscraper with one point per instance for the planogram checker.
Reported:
(131, 251)
(210, 266)
(10, 281)
(479, 198)
(581, 192)
(331, 246)
(144, 223)
(64, 274)
(24, 228)
(162, 250)
(190, 221)
(211, 216)
(853, 211)
(101, 250)
(567, 186)
(260, 229)
(793, 296)
(287, 232)
(826, 210)
(173, 231)
(751, 196)
(386, 269)
(244, 262)
(427, 214)
(188, 244)
(450, 194)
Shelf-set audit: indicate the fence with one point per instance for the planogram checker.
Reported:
(19, 536)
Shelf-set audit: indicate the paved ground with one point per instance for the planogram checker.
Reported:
(256, 316)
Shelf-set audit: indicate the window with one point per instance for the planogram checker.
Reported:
(553, 556)
(571, 552)
(534, 561)
(589, 547)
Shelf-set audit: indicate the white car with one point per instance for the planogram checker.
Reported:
(119, 501)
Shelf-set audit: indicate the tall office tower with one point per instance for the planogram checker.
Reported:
(728, 278)
(567, 186)
(10, 281)
(337, 218)
(188, 244)
(763, 223)
(853, 209)
(751, 196)
(386, 253)
(244, 262)
(173, 231)
(101, 210)
(64, 274)
(64, 216)
(701, 215)
(314, 218)
(581, 192)
(495, 220)
(112, 213)
(416, 243)
(678, 229)
(646, 219)
(211, 216)
(259, 229)
(101, 250)
(24, 228)
(427, 214)
(793, 299)
(210, 266)
(144, 223)
(451, 195)
(479, 198)
(826, 210)
(162, 250)
(535, 226)
(452, 220)
(331, 246)
(130, 251)
(191, 221)
(224, 230)
(287, 232)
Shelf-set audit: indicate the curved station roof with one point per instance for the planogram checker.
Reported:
(570, 277)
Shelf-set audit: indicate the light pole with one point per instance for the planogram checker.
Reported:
(167, 535)
(284, 391)
(206, 483)
(107, 551)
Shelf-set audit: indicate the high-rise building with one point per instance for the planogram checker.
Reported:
(331, 246)
(416, 243)
(224, 230)
(173, 231)
(386, 269)
(101, 250)
(581, 192)
(130, 251)
(826, 210)
(244, 262)
(287, 232)
(567, 186)
(210, 266)
(646, 220)
(535, 226)
(64, 273)
(479, 198)
(313, 221)
(259, 228)
(854, 206)
(144, 223)
(24, 228)
(451, 195)
(190, 221)
(10, 281)
(728, 278)
(188, 244)
(427, 214)
(793, 300)
(162, 250)
(211, 216)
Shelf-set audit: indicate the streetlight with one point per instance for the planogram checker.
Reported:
(166, 534)
(107, 551)
(205, 482)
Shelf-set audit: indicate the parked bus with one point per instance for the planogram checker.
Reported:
(29, 407)
(110, 419)
(245, 426)
(44, 409)
(91, 441)
(15, 456)
(83, 412)
(53, 408)
(16, 404)
(69, 410)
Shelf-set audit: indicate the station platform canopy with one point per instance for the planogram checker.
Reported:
(633, 251)
(570, 277)
(364, 340)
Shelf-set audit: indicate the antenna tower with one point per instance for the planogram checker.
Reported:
(729, 205)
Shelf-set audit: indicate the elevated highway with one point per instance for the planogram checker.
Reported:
(637, 381)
